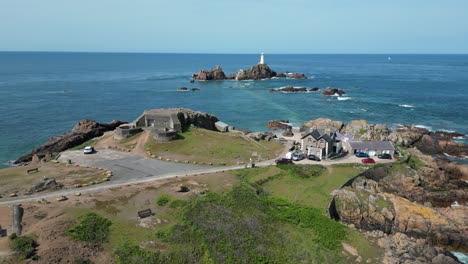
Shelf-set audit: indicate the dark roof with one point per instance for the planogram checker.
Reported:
(372, 145)
(318, 134)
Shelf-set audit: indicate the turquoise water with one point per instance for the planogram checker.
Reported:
(45, 94)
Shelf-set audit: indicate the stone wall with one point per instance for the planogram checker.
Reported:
(126, 131)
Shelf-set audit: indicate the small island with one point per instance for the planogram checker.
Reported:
(261, 71)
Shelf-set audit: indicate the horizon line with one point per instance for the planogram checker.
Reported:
(233, 53)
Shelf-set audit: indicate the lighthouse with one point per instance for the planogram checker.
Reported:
(262, 59)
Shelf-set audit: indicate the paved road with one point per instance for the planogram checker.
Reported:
(130, 169)
(126, 169)
(126, 166)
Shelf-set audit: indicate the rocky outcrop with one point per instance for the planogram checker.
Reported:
(278, 124)
(262, 136)
(314, 89)
(257, 72)
(392, 214)
(333, 91)
(46, 184)
(440, 143)
(412, 197)
(400, 248)
(290, 89)
(215, 74)
(361, 130)
(82, 132)
(188, 117)
(322, 123)
(407, 135)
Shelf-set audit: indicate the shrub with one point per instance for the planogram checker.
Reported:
(177, 203)
(92, 228)
(128, 253)
(24, 246)
(163, 200)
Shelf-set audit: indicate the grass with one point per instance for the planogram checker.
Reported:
(90, 142)
(313, 191)
(284, 224)
(16, 179)
(205, 146)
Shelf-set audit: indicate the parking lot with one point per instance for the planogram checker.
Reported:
(125, 166)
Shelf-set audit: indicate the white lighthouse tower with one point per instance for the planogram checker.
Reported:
(262, 59)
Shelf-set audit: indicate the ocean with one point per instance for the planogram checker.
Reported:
(46, 94)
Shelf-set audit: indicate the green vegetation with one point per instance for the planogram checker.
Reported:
(177, 203)
(275, 214)
(92, 228)
(23, 246)
(308, 185)
(90, 142)
(163, 200)
(414, 162)
(128, 253)
(328, 233)
(362, 132)
(205, 146)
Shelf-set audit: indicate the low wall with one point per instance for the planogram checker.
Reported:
(126, 132)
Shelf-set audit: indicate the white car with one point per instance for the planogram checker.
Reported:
(88, 150)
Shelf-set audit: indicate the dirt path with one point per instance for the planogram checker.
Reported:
(140, 144)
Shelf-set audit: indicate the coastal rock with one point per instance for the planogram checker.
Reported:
(280, 75)
(278, 124)
(322, 123)
(441, 142)
(400, 248)
(82, 132)
(361, 130)
(195, 89)
(257, 72)
(296, 75)
(288, 133)
(262, 136)
(392, 214)
(329, 91)
(182, 89)
(289, 89)
(215, 74)
(314, 89)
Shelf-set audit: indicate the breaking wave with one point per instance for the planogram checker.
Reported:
(406, 105)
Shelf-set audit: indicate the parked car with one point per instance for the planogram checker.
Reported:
(313, 157)
(297, 156)
(368, 161)
(362, 155)
(385, 156)
(88, 150)
(284, 161)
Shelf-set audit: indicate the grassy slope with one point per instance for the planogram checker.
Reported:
(206, 146)
(233, 224)
(311, 192)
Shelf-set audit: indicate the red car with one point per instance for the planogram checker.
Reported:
(368, 160)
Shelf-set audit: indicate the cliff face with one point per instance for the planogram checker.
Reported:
(82, 132)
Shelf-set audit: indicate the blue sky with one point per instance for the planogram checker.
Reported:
(243, 26)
